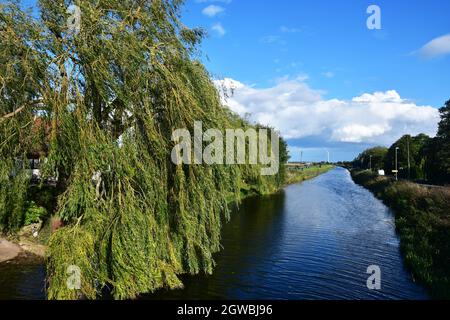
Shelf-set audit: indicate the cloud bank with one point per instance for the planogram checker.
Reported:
(300, 113)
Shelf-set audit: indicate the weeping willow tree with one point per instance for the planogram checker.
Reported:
(108, 98)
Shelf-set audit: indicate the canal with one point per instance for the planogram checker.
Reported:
(313, 240)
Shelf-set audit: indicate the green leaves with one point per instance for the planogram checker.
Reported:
(34, 214)
(110, 97)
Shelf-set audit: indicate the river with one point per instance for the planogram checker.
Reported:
(312, 241)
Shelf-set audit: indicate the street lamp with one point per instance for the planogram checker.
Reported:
(396, 163)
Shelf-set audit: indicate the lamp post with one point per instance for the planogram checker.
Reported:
(396, 163)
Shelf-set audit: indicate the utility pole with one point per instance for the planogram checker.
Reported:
(396, 163)
(409, 161)
(370, 163)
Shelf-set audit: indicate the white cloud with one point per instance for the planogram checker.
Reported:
(300, 112)
(212, 10)
(359, 133)
(328, 74)
(437, 47)
(219, 29)
(285, 29)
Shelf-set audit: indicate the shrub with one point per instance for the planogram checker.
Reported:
(34, 214)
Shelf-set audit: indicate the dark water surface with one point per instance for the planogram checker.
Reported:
(312, 241)
(22, 280)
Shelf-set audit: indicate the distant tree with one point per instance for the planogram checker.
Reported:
(438, 152)
(412, 156)
(431, 167)
(372, 158)
(284, 159)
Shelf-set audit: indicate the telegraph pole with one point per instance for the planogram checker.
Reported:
(396, 163)
(409, 161)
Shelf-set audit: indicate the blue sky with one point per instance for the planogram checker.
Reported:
(327, 45)
(329, 36)
(316, 72)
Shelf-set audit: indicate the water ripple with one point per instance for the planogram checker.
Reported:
(313, 241)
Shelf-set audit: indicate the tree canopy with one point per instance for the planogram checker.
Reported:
(371, 158)
(439, 163)
(108, 99)
(414, 148)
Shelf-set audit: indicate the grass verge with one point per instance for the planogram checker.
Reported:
(298, 175)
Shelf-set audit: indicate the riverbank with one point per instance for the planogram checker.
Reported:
(422, 218)
(20, 252)
(8, 250)
(21, 246)
(297, 175)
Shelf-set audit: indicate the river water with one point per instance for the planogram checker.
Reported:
(313, 240)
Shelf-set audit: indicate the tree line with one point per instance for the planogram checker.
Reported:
(419, 158)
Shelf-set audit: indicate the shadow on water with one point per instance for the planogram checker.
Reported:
(249, 240)
(313, 240)
(23, 279)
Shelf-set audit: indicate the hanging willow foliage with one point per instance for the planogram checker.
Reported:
(108, 99)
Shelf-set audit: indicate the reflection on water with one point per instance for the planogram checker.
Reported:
(312, 241)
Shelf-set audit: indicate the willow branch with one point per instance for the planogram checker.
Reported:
(12, 114)
(16, 112)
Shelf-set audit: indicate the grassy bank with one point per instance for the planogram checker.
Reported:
(422, 217)
(302, 174)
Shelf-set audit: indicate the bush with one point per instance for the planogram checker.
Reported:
(34, 214)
